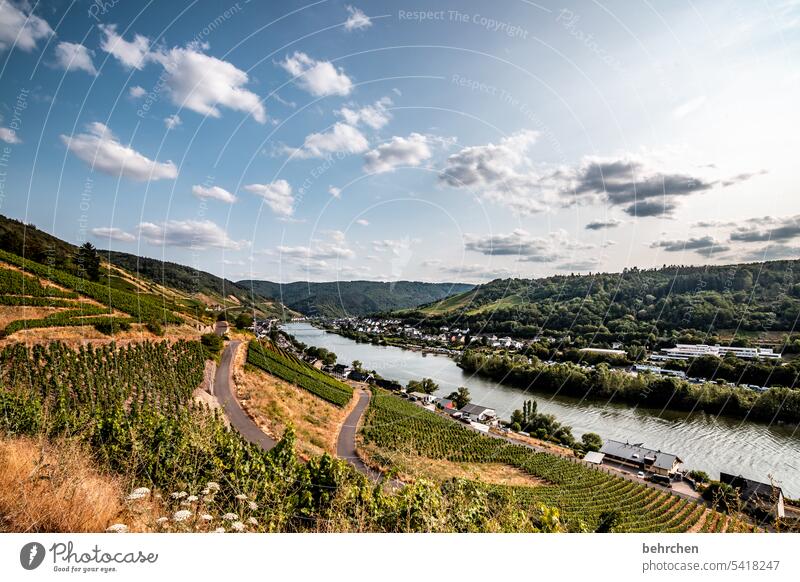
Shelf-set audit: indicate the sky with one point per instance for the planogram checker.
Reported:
(450, 141)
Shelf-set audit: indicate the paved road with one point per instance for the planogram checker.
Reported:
(346, 443)
(238, 418)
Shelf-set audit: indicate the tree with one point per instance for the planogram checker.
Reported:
(461, 397)
(88, 262)
(591, 441)
(426, 386)
(722, 497)
(212, 342)
(243, 320)
(358, 366)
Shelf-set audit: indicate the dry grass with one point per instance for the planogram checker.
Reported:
(412, 467)
(54, 488)
(13, 313)
(274, 404)
(75, 336)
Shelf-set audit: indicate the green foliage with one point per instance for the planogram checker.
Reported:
(581, 494)
(426, 386)
(699, 476)
(722, 497)
(344, 298)
(591, 441)
(460, 397)
(111, 326)
(212, 342)
(154, 327)
(16, 283)
(88, 262)
(272, 359)
(327, 357)
(243, 320)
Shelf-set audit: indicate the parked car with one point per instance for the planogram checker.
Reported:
(640, 474)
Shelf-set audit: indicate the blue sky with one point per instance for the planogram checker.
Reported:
(438, 141)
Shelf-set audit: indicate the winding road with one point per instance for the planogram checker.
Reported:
(238, 418)
(346, 443)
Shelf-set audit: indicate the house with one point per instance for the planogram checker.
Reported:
(357, 376)
(761, 497)
(445, 403)
(594, 457)
(689, 351)
(478, 413)
(640, 457)
(388, 385)
(422, 397)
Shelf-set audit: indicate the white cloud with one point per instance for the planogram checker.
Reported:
(335, 192)
(20, 28)
(399, 151)
(113, 233)
(357, 19)
(362, 222)
(277, 195)
(314, 257)
(202, 83)
(342, 138)
(528, 248)
(499, 172)
(320, 78)
(172, 121)
(132, 54)
(214, 192)
(99, 148)
(195, 234)
(8, 135)
(136, 91)
(375, 115)
(75, 57)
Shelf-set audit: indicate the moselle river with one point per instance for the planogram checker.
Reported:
(703, 441)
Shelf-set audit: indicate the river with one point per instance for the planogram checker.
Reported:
(703, 441)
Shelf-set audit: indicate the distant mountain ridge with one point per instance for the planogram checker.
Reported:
(343, 298)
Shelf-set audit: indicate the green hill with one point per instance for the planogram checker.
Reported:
(336, 299)
(635, 305)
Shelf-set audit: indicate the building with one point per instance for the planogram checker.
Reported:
(478, 413)
(605, 352)
(422, 397)
(761, 497)
(657, 370)
(640, 457)
(688, 351)
(594, 457)
(445, 403)
(357, 376)
(389, 385)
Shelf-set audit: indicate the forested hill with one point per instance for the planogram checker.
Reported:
(637, 304)
(336, 299)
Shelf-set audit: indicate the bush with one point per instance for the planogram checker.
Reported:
(111, 326)
(699, 476)
(212, 342)
(154, 327)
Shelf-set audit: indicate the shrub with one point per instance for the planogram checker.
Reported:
(111, 326)
(212, 342)
(154, 327)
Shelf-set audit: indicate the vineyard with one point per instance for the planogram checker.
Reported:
(581, 493)
(272, 359)
(25, 289)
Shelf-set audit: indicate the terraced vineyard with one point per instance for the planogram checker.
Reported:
(582, 494)
(26, 289)
(270, 358)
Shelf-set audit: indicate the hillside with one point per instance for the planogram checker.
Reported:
(342, 298)
(183, 288)
(635, 305)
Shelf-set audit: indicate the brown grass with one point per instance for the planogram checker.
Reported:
(412, 467)
(54, 488)
(13, 313)
(274, 404)
(75, 336)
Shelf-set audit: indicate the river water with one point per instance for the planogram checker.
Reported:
(703, 441)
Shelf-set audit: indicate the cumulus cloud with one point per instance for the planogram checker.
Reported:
(172, 121)
(705, 245)
(277, 195)
(194, 234)
(20, 28)
(579, 265)
(132, 54)
(356, 20)
(8, 135)
(99, 148)
(113, 233)
(603, 224)
(203, 83)
(136, 91)
(320, 78)
(374, 116)
(362, 222)
(768, 229)
(334, 191)
(71, 56)
(528, 248)
(316, 255)
(499, 172)
(398, 151)
(342, 138)
(771, 252)
(213, 192)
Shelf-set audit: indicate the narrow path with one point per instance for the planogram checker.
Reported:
(346, 443)
(238, 418)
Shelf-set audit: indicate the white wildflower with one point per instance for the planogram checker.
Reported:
(205, 491)
(162, 520)
(238, 526)
(252, 521)
(252, 505)
(241, 497)
(230, 517)
(206, 517)
(219, 530)
(182, 515)
(118, 528)
(179, 495)
(138, 493)
(192, 498)
(213, 486)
